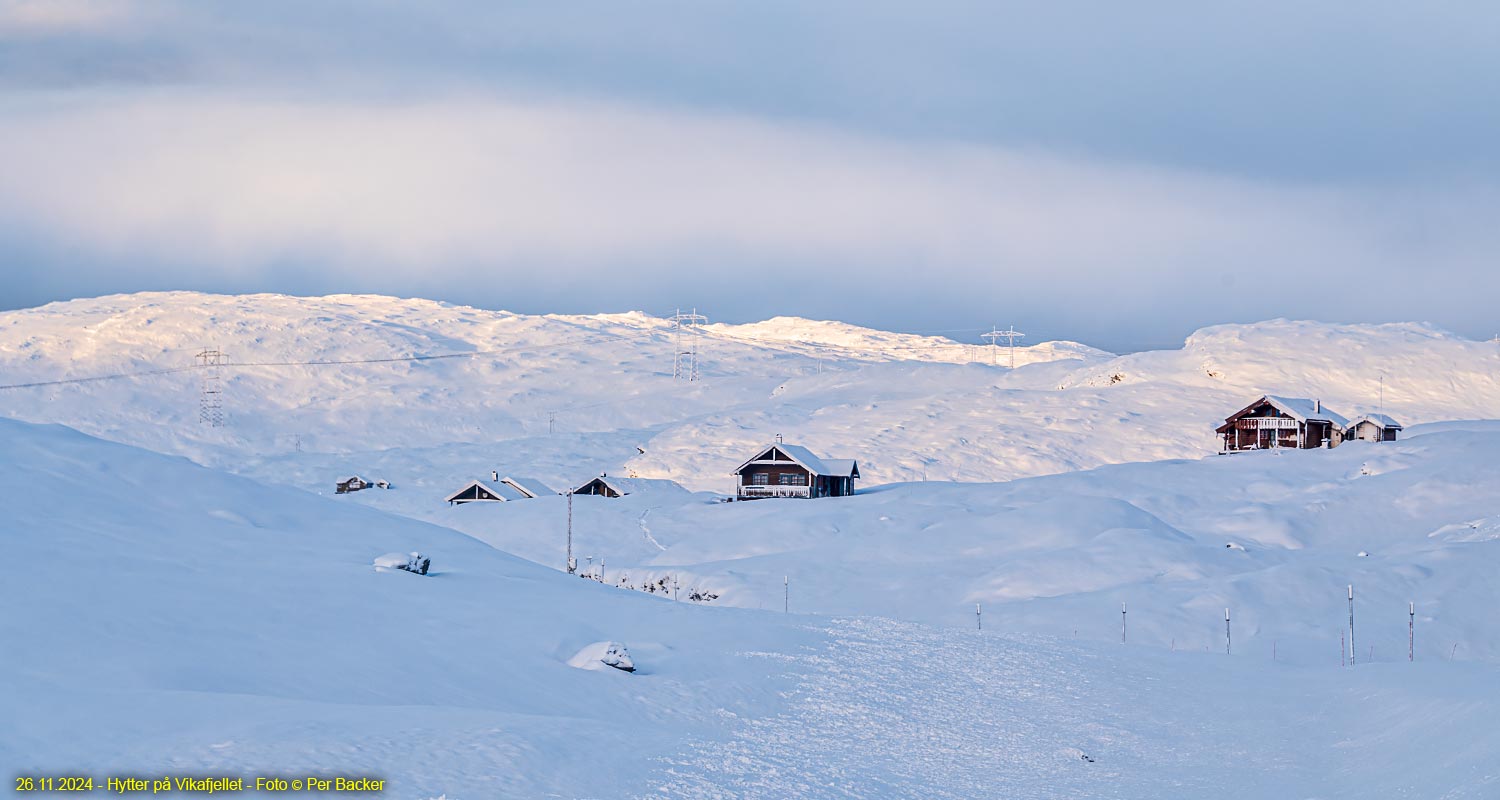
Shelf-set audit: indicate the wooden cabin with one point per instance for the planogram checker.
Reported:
(1273, 422)
(789, 470)
(1374, 428)
(498, 490)
(610, 486)
(353, 483)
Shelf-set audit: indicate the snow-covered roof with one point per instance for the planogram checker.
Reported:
(624, 486)
(351, 479)
(1303, 409)
(1378, 419)
(531, 487)
(805, 457)
(842, 467)
(501, 491)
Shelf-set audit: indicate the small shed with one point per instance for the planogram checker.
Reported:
(353, 483)
(789, 470)
(610, 486)
(1374, 428)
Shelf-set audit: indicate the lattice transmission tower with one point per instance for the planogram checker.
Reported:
(211, 387)
(994, 337)
(686, 330)
(1011, 335)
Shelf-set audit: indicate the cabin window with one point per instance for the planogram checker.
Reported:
(792, 479)
(759, 479)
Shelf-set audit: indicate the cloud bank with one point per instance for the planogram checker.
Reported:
(541, 161)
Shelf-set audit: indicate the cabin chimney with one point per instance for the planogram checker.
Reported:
(1318, 406)
(494, 476)
(778, 438)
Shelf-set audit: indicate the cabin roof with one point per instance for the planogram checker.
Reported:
(1378, 419)
(502, 491)
(624, 486)
(1299, 408)
(350, 479)
(841, 467)
(531, 487)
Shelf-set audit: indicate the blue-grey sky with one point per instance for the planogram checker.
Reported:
(1112, 173)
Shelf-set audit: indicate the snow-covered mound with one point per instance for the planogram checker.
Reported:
(165, 618)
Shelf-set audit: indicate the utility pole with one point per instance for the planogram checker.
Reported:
(1351, 624)
(786, 594)
(1122, 622)
(1227, 639)
(1411, 631)
(978, 618)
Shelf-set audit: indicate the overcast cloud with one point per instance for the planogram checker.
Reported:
(1080, 172)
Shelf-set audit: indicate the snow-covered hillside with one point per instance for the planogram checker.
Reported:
(1274, 535)
(564, 398)
(166, 618)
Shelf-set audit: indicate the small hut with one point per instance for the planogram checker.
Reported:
(353, 483)
(1374, 428)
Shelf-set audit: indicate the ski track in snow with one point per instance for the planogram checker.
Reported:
(900, 710)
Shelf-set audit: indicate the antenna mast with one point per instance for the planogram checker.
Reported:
(685, 354)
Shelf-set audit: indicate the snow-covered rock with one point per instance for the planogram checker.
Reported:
(601, 655)
(409, 562)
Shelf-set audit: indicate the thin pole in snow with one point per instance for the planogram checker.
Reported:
(786, 594)
(1411, 631)
(1227, 640)
(1122, 622)
(1342, 652)
(978, 618)
(572, 565)
(1351, 624)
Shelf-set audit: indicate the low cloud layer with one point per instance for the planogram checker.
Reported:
(541, 200)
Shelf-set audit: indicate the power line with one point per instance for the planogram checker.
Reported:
(116, 376)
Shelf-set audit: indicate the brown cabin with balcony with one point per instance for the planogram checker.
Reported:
(1274, 422)
(789, 470)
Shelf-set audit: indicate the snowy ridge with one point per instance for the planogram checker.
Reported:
(830, 339)
(576, 396)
